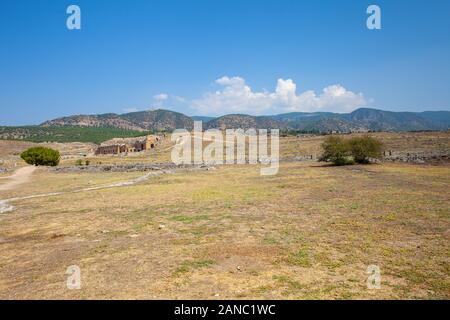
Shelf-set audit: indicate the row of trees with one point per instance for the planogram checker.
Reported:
(342, 151)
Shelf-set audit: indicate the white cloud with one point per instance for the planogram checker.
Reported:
(236, 96)
(161, 97)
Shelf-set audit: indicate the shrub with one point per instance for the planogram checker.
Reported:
(341, 151)
(336, 150)
(88, 162)
(40, 156)
(79, 162)
(364, 148)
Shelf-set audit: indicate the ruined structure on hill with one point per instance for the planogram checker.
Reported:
(126, 145)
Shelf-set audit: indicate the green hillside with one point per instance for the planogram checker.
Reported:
(66, 133)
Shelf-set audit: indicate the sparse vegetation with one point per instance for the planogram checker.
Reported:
(365, 148)
(41, 156)
(313, 246)
(337, 151)
(231, 232)
(341, 151)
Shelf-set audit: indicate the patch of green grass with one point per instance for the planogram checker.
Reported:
(189, 265)
(271, 241)
(292, 286)
(325, 259)
(189, 219)
(263, 289)
(300, 258)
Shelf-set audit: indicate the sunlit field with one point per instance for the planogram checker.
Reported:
(309, 232)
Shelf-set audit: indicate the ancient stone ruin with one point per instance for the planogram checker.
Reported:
(127, 145)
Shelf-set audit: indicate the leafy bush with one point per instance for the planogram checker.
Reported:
(88, 162)
(40, 156)
(365, 148)
(336, 150)
(79, 162)
(341, 151)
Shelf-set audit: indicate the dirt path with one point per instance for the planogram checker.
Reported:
(19, 177)
(6, 207)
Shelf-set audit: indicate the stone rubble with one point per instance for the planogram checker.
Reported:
(135, 167)
(428, 157)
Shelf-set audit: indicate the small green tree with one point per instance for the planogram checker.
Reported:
(336, 150)
(79, 162)
(41, 156)
(364, 148)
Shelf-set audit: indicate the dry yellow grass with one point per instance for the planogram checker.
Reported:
(290, 148)
(10, 151)
(307, 233)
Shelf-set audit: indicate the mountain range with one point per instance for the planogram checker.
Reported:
(363, 119)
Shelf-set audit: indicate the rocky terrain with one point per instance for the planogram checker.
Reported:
(100, 128)
(102, 120)
(419, 158)
(133, 167)
(360, 120)
(156, 120)
(243, 121)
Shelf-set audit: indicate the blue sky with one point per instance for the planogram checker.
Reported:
(217, 57)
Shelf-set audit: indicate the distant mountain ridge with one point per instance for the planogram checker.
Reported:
(157, 120)
(363, 119)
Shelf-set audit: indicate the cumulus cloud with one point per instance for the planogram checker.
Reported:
(235, 96)
(161, 97)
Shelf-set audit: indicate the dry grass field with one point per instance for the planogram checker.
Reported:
(10, 151)
(292, 147)
(309, 232)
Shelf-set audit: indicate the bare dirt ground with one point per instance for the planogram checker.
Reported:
(20, 176)
(309, 232)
